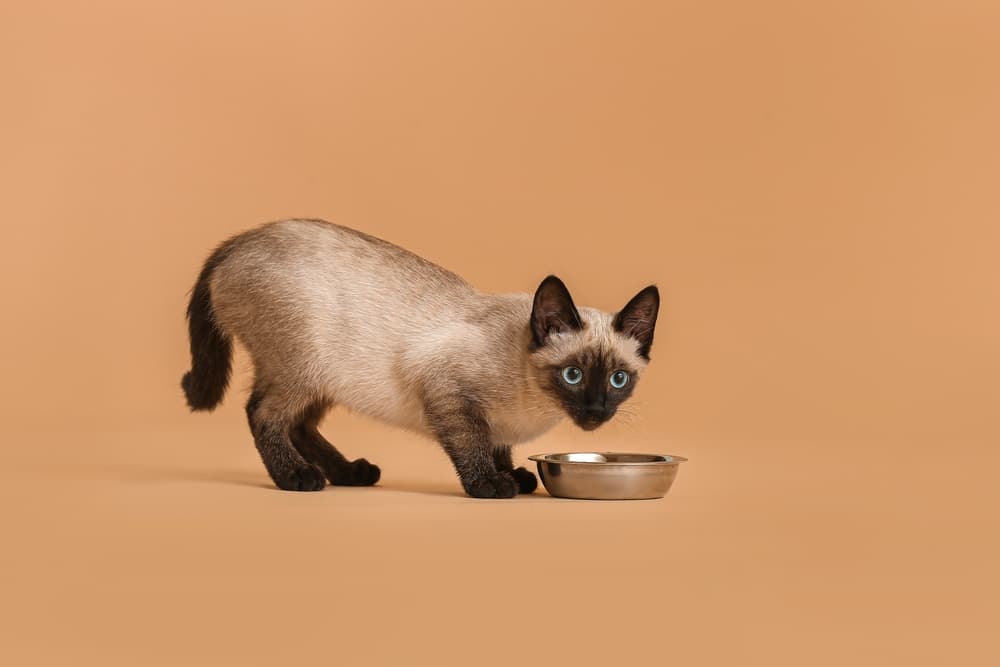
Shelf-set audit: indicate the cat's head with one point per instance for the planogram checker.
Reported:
(586, 360)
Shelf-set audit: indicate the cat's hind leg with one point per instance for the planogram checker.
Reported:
(272, 415)
(526, 480)
(314, 448)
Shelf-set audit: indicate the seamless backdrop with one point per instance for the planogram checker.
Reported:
(813, 186)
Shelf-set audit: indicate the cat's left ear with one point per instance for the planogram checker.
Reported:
(638, 318)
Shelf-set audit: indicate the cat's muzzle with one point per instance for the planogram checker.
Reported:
(590, 420)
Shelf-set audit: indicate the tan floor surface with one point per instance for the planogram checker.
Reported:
(171, 547)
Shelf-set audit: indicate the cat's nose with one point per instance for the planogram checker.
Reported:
(596, 412)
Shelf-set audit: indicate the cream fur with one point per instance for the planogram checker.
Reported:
(326, 311)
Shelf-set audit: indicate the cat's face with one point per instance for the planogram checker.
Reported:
(588, 361)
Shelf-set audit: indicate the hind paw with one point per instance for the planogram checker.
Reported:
(356, 473)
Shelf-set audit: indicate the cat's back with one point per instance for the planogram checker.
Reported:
(292, 248)
(312, 281)
(314, 262)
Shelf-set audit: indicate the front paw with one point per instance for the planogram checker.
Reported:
(497, 485)
(302, 478)
(526, 480)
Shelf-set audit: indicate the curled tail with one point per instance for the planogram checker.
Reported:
(211, 349)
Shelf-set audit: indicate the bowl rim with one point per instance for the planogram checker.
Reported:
(545, 458)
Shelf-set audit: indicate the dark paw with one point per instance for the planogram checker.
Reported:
(500, 485)
(526, 480)
(306, 478)
(357, 473)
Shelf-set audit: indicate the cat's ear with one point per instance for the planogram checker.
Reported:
(638, 318)
(553, 311)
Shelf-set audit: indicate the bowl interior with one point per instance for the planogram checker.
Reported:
(606, 457)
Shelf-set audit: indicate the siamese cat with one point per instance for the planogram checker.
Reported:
(333, 316)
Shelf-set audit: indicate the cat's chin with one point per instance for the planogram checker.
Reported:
(590, 424)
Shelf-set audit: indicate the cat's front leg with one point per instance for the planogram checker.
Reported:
(463, 431)
(504, 461)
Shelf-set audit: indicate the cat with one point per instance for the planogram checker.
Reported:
(333, 316)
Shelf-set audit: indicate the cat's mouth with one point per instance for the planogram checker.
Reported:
(591, 422)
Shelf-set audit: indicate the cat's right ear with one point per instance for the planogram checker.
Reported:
(553, 311)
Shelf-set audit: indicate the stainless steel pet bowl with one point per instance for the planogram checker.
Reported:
(607, 475)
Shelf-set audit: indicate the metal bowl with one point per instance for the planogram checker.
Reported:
(607, 475)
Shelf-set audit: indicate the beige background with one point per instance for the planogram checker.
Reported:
(814, 186)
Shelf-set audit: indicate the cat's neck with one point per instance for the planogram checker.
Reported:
(521, 411)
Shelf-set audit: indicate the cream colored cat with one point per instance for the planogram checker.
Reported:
(332, 316)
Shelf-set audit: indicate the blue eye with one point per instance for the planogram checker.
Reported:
(619, 379)
(572, 375)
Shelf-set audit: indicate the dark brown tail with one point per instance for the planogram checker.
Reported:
(211, 349)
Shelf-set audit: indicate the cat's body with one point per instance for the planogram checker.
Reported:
(331, 316)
